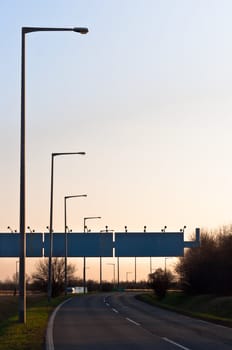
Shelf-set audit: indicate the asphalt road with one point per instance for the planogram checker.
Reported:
(118, 321)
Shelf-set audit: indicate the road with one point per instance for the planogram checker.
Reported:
(118, 321)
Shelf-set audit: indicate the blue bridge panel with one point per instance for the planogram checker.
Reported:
(149, 244)
(141, 244)
(80, 244)
(10, 242)
(9, 245)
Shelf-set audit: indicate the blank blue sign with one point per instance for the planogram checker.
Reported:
(149, 244)
(80, 244)
(141, 244)
(10, 242)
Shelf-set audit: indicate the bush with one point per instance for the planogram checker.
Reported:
(208, 268)
(160, 281)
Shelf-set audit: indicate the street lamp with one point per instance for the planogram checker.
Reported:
(89, 218)
(165, 263)
(12, 231)
(135, 271)
(84, 262)
(51, 219)
(106, 231)
(16, 276)
(127, 273)
(66, 237)
(112, 264)
(22, 230)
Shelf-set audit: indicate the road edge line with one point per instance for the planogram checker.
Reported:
(49, 345)
(174, 343)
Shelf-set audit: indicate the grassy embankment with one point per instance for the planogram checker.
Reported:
(17, 336)
(207, 307)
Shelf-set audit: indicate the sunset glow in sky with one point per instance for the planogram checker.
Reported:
(146, 94)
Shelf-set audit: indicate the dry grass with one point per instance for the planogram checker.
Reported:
(18, 336)
(208, 307)
(8, 306)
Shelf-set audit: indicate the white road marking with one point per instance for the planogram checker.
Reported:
(174, 343)
(215, 324)
(107, 304)
(130, 320)
(49, 333)
(114, 310)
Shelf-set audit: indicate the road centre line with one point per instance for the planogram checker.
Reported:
(174, 343)
(138, 324)
(130, 320)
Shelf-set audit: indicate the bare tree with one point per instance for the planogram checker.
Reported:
(40, 276)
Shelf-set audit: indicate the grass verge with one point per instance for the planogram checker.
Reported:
(206, 307)
(18, 336)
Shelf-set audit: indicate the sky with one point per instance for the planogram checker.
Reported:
(146, 94)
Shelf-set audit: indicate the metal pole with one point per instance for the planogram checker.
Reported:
(127, 273)
(100, 273)
(112, 264)
(66, 237)
(135, 271)
(51, 221)
(16, 277)
(22, 231)
(84, 262)
(22, 258)
(84, 266)
(118, 270)
(51, 234)
(66, 246)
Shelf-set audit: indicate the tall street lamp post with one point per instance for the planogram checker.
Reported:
(66, 236)
(112, 264)
(22, 230)
(106, 231)
(84, 262)
(165, 264)
(51, 219)
(118, 271)
(16, 277)
(127, 273)
(135, 271)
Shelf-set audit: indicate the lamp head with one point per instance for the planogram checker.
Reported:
(80, 30)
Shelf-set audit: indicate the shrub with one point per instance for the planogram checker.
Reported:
(160, 281)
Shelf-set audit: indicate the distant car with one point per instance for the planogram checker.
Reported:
(70, 290)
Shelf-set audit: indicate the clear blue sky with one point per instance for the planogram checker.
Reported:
(146, 94)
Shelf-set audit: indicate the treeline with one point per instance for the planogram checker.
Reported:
(38, 281)
(208, 269)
